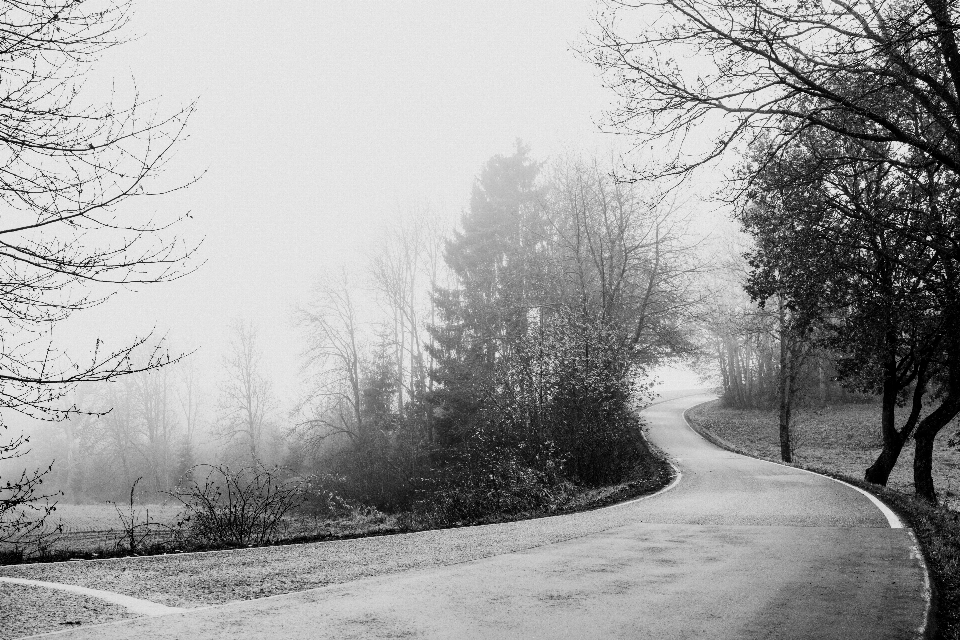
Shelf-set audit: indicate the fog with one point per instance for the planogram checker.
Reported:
(317, 131)
(304, 271)
(318, 123)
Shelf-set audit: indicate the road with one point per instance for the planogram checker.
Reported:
(737, 548)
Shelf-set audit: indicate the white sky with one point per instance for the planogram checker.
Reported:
(318, 121)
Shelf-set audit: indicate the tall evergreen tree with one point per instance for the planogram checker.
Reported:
(483, 320)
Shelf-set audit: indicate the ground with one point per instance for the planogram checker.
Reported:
(843, 438)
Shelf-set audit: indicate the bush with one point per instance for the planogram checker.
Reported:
(322, 497)
(138, 530)
(483, 482)
(240, 508)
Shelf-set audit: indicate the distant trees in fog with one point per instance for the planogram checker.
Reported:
(129, 429)
(158, 425)
(246, 404)
(510, 352)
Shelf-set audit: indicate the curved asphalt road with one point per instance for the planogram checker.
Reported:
(738, 548)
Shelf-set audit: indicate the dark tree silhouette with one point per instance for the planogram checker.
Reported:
(871, 71)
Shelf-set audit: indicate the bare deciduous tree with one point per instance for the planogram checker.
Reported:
(67, 242)
(622, 251)
(872, 71)
(335, 358)
(246, 397)
(404, 270)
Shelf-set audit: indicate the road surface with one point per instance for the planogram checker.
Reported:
(737, 548)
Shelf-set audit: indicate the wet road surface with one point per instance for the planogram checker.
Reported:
(738, 548)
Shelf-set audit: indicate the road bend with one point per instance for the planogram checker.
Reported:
(738, 548)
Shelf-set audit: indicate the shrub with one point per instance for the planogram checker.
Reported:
(243, 507)
(138, 530)
(321, 497)
(482, 482)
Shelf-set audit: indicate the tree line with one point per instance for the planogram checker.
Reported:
(457, 373)
(507, 358)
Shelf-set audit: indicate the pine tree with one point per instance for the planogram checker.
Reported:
(483, 321)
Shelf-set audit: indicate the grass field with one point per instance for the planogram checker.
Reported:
(844, 438)
(98, 527)
(92, 527)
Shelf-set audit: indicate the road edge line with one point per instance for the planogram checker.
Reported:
(928, 627)
(892, 518)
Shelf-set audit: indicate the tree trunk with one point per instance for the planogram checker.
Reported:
(893, 440)
(923, 465)
(925, 436)
(786, 395)
(879, 471)
(822, 382)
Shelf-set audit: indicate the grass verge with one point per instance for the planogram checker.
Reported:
(936, 527)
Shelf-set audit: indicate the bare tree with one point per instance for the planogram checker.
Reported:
(246, 397)
(190, 398)
(872, 71)
(404, 271)
(120, 427)
(158, 425)
(67, 167)
(335, 357)
(622, 252)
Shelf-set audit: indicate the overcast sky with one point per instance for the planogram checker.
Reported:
(318, 121)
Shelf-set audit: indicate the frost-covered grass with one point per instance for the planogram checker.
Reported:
(97, 531)
(96, 527)
(101, 517)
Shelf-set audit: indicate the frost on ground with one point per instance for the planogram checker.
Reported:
(191, 580)
(29, 610)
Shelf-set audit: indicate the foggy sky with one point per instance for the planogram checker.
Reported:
(316, 123)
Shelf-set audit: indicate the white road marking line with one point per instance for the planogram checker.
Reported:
(892, 519)
(917, 554)
(675, 482)
(888, 513)
(136, 605)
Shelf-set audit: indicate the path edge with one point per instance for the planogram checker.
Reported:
(928, 631)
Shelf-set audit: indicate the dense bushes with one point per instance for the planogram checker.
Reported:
(488, 478)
